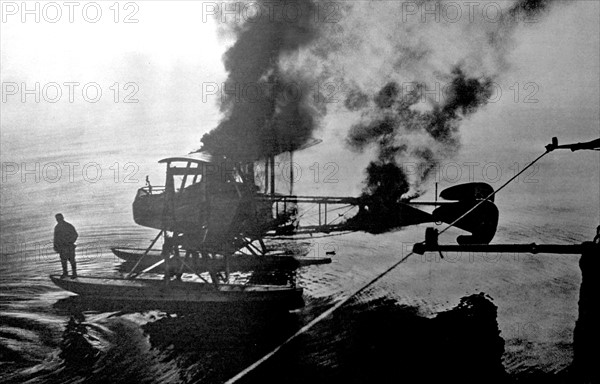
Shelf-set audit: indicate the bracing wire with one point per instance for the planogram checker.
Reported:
(493, 193)
(328, 312)
(328, 211)
(316, 320)
(311, 237)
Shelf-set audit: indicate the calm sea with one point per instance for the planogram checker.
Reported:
(394, 328)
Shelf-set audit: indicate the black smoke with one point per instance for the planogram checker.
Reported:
(266, 110)
(269, 102)
(531, 8)
(395, 117)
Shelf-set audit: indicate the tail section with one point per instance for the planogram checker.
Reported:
(482, 222)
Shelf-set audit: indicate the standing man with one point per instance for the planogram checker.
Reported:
(65, 236)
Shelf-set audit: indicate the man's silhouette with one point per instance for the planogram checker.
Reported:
(65, 236)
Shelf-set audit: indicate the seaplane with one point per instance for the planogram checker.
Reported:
(214, 216)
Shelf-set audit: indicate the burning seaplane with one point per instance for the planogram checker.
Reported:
(214, 215)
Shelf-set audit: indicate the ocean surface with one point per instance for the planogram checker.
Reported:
(409, 322)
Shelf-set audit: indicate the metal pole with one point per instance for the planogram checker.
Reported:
(145, 253)
(267, 175)
(565, 249)
(272, 175)
(319, 214)
(291, 172)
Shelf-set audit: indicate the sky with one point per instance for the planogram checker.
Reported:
(166, 55)
(157, 64)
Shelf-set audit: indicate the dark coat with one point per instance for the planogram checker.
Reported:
(65, 236)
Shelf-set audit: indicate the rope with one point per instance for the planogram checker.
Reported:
(493, 193)
(314, 322)
(364, 287)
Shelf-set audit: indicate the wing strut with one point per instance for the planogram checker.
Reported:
(130, 275)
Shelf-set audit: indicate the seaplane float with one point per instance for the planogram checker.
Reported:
(214, 216)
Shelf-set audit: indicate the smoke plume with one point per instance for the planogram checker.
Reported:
(392, 125)
(267, 111)
(409, 79)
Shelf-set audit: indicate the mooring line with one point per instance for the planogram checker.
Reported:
(345, 300)
(493, 193)
(314, 321)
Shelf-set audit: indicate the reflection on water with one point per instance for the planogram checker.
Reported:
(50, 336)
(103, 342)
(382, 341)
(536, 300)
(364, 342)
